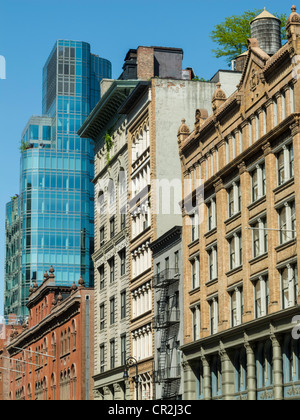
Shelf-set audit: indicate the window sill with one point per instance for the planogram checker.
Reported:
(195, 242)
(258, 258)
(234, 270)
(232, 218)
(256, 203)
(283, 186)
(210, 232)
(194, 291)
(211, 282)
(285, 245)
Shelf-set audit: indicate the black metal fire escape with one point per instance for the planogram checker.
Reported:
(167, 320)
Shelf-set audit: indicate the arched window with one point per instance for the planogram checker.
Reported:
(61, 343)
(101, 202)
(53, 344)
(53, 386)
(216, 377)
(69, 340)
(111, 192)
(74, 382)
(122, 182)
(240, 366)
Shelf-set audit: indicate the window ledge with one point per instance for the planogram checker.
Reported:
(284, 185)
(255, 203)
(195, 242)
(194, 291)
(211, 282)
(258, 258)
(234, 270)
(210, 232)
(232, 218)
(285, 245)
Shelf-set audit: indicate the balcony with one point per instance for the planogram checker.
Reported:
(167, 374)
(166, 278)
(166, 319)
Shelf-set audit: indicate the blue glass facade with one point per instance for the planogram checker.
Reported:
(57, 166)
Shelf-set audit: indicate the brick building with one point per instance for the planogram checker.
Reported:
(51, 359)
(240, 261)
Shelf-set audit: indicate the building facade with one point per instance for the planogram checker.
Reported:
(155, 188)
(111, 348)
(56, 197)
(51, 358)
(168, 322)
(242, 346)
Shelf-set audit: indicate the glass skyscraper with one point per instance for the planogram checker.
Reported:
(56, 201)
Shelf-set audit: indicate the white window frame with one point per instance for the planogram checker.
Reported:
(236, 240)
(238, 291)
(259, 231)
(293, 285)
(214, 314)
(263, 282)
(261, 181)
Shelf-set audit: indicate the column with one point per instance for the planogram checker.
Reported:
(189, 382)
(251, 371)
(227, 375)
(277, 367)
(206, 378)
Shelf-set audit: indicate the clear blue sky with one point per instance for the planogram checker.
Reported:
(29, 28)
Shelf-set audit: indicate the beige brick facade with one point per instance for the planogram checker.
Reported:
(246, 156)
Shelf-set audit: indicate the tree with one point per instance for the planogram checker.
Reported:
(232, 34)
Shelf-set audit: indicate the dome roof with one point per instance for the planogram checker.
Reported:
(265, 15)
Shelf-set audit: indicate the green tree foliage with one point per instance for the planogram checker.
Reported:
(232, 35)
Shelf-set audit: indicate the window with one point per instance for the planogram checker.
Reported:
(112, 354)
(235, 251)
(196, 322)
(237, 306)
(102, 280)
(122, 256)
(285, 164)
(111, 264)
(123, 218)
(112, 227)
(176, 255)
(123, 350)
(195, 266)
(214, 315)
(258, 180)
(213, 263)
(102, 317)
(112, 311)
(259, 237)
(289, 285)
(211, 214)
(261, 296)
(194, 227)
(123, 305)
(167, 263)
(287, 222)
(102, 235)
(234, 199)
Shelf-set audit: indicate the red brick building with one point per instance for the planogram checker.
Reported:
(51, 358)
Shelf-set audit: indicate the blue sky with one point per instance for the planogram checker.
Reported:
(29, 28)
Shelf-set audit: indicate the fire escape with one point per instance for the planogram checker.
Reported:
(166, 323)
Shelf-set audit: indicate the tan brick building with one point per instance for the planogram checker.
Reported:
(240, 260)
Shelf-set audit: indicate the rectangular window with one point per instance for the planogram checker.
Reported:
(123, 219)
(258, 180)
(112, 311)
(214, 315)
(287, 222)
(261, 296)
(194, 227)
(196, 322)
(123, 305)
(122, 256)
(111, 264)
(195, 266)
(285, 164)
(102, 279)
(102, 317)
(237, 306)
(102, 235)
(234, 199)
(102, 358)
(112, 354)
(235, 251)
(259, 237)
(213, 263)
(289, 285)
(123, 350)
(112, 227)
(211, 214)
(176, 255)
